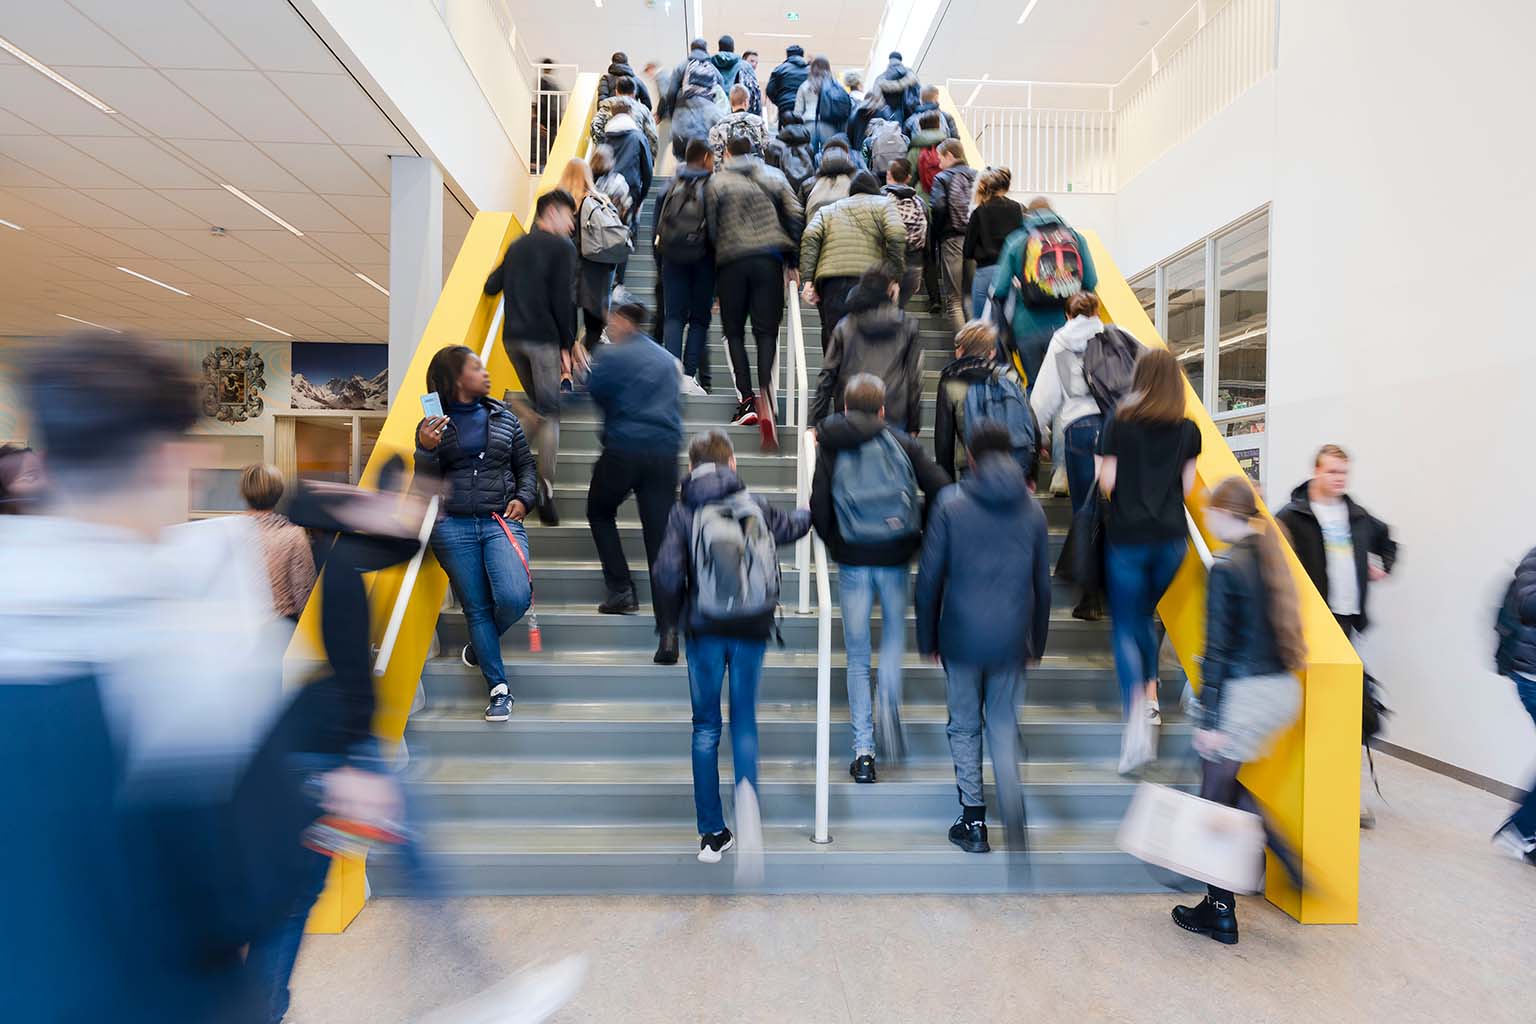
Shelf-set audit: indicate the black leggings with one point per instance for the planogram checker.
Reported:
(1218, 783)
(751, 286)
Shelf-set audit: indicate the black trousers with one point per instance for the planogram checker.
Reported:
(833, 295)
(652, 479)
(751, 286)
(1218, 783)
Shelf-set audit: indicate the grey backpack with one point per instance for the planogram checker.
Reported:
(735, 561)
(604, 236)
(874, 491)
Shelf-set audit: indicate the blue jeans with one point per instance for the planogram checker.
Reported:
(1524, 819)
(981, 287)
(489, 580)
(271, 958)
(1136, 577)
(857, 586)
(687, 295)
(709, 658)
(1081, 440)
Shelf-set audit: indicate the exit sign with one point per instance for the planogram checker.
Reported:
(792, 15)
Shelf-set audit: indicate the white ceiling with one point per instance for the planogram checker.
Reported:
(206, 92)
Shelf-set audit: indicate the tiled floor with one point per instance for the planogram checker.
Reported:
(1447, 933)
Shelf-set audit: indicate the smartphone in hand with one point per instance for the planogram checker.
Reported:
(431, 404)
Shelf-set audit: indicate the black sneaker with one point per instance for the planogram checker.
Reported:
(469, 657)
(666, 648)
(970, 836)
(1209, 917)
(620, 604)
(712, 847)
(746, 413)
(547, 512)
(500, 707)
(863, 768)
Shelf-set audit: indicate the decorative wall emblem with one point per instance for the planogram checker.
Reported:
(233, 379)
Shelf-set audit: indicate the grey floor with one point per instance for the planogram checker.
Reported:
(1447, 933)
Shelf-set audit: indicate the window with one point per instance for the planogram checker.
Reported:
(1145, 290)
(1185, 317)
(1242, 277)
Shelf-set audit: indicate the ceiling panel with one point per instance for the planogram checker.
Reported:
(144, 162)
(62, 162)
(13, 173)
(218, 207)
(375, 160)
(79, 207)
(271, 35)
(92, 241)
(163, 33)
(229, 246)
(346, 113)
(280, 246)
(327, 168)
(371, 213)
(305, 211)
(352, 246)
(248, 102)
(151, 243)
(153, 102)
(147, 208)
(26, 94)
(239, 163)
(55, 33)
(10, 124)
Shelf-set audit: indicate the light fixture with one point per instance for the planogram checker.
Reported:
(259, 208)
(976, 91)
(37, 65)
(698, 18)
(1028, 10)
(370, 281)
(269, 327)
(146, 277)
(8, 224)
(89, 323)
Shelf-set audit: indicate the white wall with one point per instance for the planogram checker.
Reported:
(1403, 222)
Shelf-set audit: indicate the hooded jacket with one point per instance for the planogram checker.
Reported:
(876, 337)
(693, 117)
(740, 122)
(845, 432)
(791, 150)
(988, 228)
(632, 156)
(751, 211)
(490, 481)
(1060, 396)
(1036, 321)
(955, 382)
(984, 577)
(643, 117)
(1370, 535)
(1522, 647)
(830, 182)
(879, 104)
(786, 81)
(905, 79)
(923, 138)
(672, 580)
(735, 71)
(850, 236)
(608, 85)
(946, 123)
(684, 173)
(1239, 634)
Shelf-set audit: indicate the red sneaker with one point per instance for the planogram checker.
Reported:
(766, 425)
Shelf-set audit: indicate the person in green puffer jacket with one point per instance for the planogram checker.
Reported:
(1033, 325)
(845, 239)
(928, 135)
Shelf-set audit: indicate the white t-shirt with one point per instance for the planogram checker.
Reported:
(1339, 547)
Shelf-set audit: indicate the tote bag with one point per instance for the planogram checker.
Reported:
(1206, 841)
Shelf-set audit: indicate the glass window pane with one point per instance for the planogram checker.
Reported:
(1145, 290)
(1246, 437)
(324, 449)
(1242, 275)
(1186, 315)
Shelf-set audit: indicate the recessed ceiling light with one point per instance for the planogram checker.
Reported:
(269, 327)
(37, 65)
(260, 209)
(146, 277)
(8, 224)
(370, 281)
(1028, 11)
(89, 323)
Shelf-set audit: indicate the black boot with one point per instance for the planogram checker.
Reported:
(1090, 608)
(548, 515)
(666, 650)
(620, 602)
(1211, 916)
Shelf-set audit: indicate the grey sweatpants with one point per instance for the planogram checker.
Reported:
(538, 370)
(985, 698)
(954, 279)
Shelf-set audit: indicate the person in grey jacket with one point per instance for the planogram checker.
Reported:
(984, 609)
(844, 239)
(690, 100)
(878, 338)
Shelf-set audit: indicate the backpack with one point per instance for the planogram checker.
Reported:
(735, 561)
(957, 200)
(1000, 399)
(928, 167)
(1506, 627)
(604, 235)
(874, 491)
(701, 79)
(834, 106)
(681, 227)
(797, 164)
(884, 145)
(1109, 362)
(914, 220)
(741, 128)
(1053, 265)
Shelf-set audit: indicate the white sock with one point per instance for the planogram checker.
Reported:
(499, 688)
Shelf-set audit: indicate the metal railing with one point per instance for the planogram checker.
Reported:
(1048, 150)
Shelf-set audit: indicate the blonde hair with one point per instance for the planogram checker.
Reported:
(977, 339)
(261, 486)
(1235, 496)
(1157, 390)
(991, 183)
(577, 179)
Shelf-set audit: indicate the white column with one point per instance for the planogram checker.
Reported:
(415, 258)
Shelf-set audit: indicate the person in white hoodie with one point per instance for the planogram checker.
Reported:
(1068, 413)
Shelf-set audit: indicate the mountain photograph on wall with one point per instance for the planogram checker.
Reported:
(335, 375)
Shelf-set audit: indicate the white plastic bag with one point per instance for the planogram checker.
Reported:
(1206, 841)
(1138, 744)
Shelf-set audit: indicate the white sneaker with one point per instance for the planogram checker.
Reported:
(693, 389)
(1154, 714)
(749, 835)
(1510, 842)
(1059, 481)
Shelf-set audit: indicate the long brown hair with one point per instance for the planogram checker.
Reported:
(1234, 495)
(1157, 390)
(991, 183)
(577, 179)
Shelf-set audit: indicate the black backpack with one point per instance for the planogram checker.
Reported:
(682, 229)
(1506, 627)
(1109, 363)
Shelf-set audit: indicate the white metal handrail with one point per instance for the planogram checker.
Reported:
(796, 418)
(823, 663)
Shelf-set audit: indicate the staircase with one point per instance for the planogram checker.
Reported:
(588, 787)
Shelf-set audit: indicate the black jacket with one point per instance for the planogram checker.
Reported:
(1239, 636)
(1522, 646)
(955, 382)
(490, 481)
(845, 432)
(786, 81)
(989, 227)
(536, 279)
(881, 340)
(608, 85)
(984, 578)
(1370, 535)
(792, 146)
(632, 159)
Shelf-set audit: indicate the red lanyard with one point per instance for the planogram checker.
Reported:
(535, 641)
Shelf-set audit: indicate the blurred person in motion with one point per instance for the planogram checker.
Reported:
(718, 576)
(479, 451)
(833, 179)
(1516, 659)
(695, 99)
(790, 152)
(750, 56)
(842, 240)
(595, 211)
(22, 483)
(1344, 549)
(993, 218)
(1043, 264)
(785, 81)
(739, 123)
(878, 339)
(755, 223)
(884, 103)
(983, 611)
(624, 90)
(1146, 467)
(866, 507)
(633, 156)
(687, 265)
(853, 81)
(897, 72)
(1068, 413)
(976, 387)
(951, 196)
(634, 383)
(536, 280)
(284, 546)
(923, 152)
(1249, 693)
(736, 71)
(929, 100)
(611, 80)
(912, 209)
(822, 103)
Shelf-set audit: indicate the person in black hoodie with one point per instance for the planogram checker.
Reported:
(787, 79)
(993, 218)
(607, 85)
(870, 568)
(875, 337)
(1517, 659)
(1249, 693)
(791, 151)
(897, 73)
(975, 361)
(983, 610)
